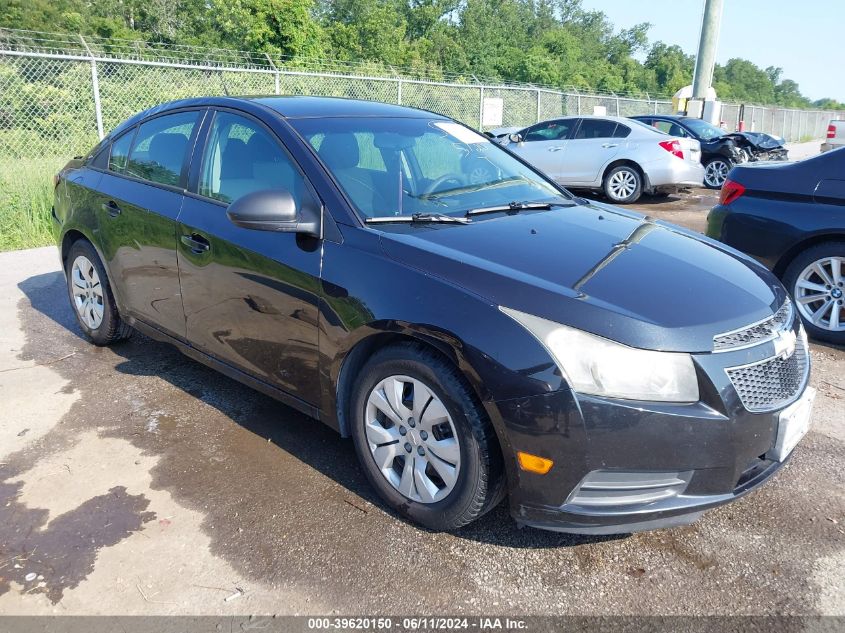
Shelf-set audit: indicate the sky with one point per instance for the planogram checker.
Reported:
(806, 39)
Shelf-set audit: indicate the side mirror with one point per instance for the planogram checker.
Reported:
(274, 210)
(515, 138)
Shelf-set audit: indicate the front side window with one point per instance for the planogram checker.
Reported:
(242, 157)
(556, 130)
(120, 151)
(402, 166)
(160, 148)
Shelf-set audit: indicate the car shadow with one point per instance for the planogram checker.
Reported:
(310, 442)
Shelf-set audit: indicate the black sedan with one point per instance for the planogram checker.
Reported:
(720, 150)
(791, 217)
(475, 338)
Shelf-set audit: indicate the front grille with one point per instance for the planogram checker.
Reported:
(756, 333)
(772, 383)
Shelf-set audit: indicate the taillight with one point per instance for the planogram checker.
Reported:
(831, 131)
(673, 147)
(730, 191)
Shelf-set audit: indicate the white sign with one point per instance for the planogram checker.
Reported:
(492, 111)
(599, 111)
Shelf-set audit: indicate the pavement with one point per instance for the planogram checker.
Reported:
(136, 481)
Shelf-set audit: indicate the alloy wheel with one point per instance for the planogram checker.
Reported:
(622, 184)
(716, 172)
(87, 292)
(820, 293)
(412, 439)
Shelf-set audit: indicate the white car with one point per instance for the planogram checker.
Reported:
(622, 157)
(835, 135)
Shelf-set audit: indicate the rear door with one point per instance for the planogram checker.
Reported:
(251, 297)
(591, 148)
(543, 145)
(139, 198)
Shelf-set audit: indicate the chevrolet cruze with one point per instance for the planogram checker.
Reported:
(476, 338)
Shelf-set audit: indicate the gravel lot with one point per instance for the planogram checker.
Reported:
(136, 481)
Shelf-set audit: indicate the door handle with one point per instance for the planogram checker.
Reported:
(606, 145)
(556, 148)
(197, 243)
(111, 208)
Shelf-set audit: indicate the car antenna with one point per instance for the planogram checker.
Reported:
(223, 82)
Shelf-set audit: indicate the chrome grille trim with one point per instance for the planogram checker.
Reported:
(756, 333)
(772, 383)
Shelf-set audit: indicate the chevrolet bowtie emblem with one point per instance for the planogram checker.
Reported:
(785, 344)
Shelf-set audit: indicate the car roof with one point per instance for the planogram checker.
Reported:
(306, 106)
(670, 117)
(289, 107)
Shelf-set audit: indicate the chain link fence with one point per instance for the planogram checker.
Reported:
(57, 104)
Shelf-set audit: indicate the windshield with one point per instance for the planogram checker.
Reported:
(704, 130)
(398, 166)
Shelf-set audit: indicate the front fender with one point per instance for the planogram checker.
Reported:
(497, 356)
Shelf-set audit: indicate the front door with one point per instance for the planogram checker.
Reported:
(543, 145)
(250, 297)
(139, 198)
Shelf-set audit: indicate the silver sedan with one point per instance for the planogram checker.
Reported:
(622, 157)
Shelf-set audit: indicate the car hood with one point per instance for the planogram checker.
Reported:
(614, 273)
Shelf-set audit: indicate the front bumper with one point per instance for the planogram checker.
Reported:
(715, 449)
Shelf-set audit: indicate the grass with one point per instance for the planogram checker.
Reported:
(26, 197)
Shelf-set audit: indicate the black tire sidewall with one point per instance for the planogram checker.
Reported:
(104, 334)
(441, 515)
(637, 191)
(790, 277)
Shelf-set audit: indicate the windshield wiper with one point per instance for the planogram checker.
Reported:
(514, 207)
(436, 218)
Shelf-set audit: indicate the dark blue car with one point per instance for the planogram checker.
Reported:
(477, 337)
(791, 217)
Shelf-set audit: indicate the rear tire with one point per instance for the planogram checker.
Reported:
(452, 473)
(623, 184)
(91, 296)
(816, 281)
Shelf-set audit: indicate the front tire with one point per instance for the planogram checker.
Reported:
(623, 184)
(816, 280)
(424, 442)
(716, 172)
(91, 296)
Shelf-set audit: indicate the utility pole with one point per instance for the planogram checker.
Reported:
(706, 58)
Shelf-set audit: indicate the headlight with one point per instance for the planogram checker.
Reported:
(601, 367)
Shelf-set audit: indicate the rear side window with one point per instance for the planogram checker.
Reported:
(242, 157)
(160, 147)
(120, 151)
(621, 131)
(595, 128)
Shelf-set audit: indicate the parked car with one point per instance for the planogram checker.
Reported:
(611, 154)
(720, 150)
(791, 217)
(608, 372)
(835, 136)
